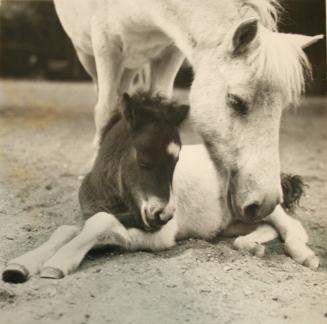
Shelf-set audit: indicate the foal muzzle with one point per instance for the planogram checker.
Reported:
(156, 215)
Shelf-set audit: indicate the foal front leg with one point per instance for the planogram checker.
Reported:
(105, 229)
(100, 229)
(108, 53)
(20, 269)
(251, 236)
(295, 238)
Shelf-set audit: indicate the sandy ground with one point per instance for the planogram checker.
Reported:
(45, 135)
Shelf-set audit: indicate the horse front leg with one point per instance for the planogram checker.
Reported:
(295, 238)
(164, 70)
(108, 54)
(20, 269)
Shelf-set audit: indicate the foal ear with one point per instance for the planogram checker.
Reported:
(303, 41)
(127, 110)
(243, 35)
(181, 112)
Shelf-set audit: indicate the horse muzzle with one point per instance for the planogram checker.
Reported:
(255, 209)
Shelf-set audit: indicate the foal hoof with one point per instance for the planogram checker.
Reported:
(15, 273)
(312, 262)
(243, 244)
(51, 273)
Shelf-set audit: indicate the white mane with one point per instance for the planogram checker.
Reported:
(277, 59)
(283, 63)
(268, 11)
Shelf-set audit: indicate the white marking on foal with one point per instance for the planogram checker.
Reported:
(173, 149)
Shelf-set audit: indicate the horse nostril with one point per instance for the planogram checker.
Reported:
(251, 211)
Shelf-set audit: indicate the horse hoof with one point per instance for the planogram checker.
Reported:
(312, 262)
(51, 273)
(15, 273)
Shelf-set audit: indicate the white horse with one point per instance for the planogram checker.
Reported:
(245, 75)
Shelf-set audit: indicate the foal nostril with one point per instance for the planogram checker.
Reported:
(251, 211)
(157, 217)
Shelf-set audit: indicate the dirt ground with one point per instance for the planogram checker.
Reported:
(45, 136)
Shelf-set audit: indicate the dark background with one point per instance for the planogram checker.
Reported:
(33, 44)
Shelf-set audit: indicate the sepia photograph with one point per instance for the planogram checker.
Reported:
(163, 161)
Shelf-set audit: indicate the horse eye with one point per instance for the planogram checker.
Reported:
(238, 104)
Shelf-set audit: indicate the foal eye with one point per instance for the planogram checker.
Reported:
(238, 104)
(145, 165)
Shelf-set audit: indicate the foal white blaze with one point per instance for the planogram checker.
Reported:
(173, 149)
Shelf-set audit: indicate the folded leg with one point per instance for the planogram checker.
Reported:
(21, 268)
(153, 241)
(105, 229)
(295, 238)
(252, 236)
(101, 229)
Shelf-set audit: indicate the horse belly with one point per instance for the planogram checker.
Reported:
(123, 18)
(75, 17)
(142, 44)
(197, 190)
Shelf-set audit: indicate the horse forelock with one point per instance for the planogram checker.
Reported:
(267, 10)
(281, 63)
(276, 59)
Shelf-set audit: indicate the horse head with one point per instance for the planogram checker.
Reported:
(240, 89)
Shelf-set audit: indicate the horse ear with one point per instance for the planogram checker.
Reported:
(302, 41)
(181, 112)
(127, 110)
(243, 35)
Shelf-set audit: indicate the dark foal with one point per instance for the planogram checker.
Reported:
(129, 187)
(132, 175)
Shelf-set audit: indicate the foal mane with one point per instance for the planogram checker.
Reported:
(279, 61)
(147, 108)
(153, 108)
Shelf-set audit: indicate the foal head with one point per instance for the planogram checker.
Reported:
(240, 89)
(147, 170)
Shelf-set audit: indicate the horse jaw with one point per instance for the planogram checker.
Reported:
(302, 41)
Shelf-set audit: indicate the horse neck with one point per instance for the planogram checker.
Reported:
(183, 22)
